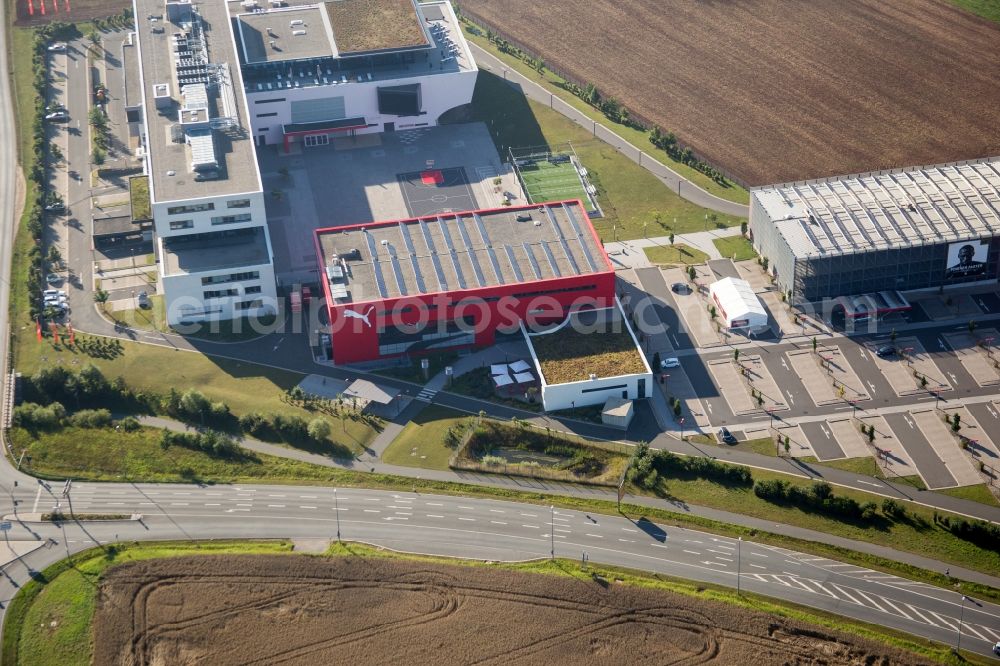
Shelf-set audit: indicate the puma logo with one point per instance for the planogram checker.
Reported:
(358, 315)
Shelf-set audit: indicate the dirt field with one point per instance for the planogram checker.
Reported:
(303, 610)
(37, 12)
(776, 91)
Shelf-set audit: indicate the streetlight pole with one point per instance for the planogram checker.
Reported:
(961, 618)
(739, 562)
(552, 532)
(336, 505)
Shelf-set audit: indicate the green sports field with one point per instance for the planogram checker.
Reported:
(553, 182)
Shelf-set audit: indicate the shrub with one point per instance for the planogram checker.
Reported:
(893, 509)
(129, 424)
(91, 418)
(254, 423)
(319, 429)
(209, 442)
(33, 415)
(291, 428)
(493, 460)
(979, 532)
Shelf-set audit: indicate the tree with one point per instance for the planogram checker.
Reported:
(672, 238)
(788, 446)
(319, 429)
(194, 403)
(656, 361)
(100, 297)
(53, 256)
(736, 355)
(892, 335)
(956, 422)
(743, 228)
(712, 311)
(815, 344)
(972, 326)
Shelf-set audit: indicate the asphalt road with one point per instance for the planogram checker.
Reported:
(495, 530)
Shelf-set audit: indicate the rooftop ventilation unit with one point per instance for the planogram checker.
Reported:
(298, 33)
(294, 23)
(161, 96)
(202, 145)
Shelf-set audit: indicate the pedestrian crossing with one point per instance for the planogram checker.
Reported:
(426, 394)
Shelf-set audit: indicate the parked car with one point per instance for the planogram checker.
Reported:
(54, 107)
(57, 116)
(57, 47)
(726, 436)
(996, 649)
(668, 363)
(885, 351)
(55, 207)
(680, 288)
(143, 300)
(53, 279)
(54, 292)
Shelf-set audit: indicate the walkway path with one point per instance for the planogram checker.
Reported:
(676, 182)
(630, 254)
(608, 494)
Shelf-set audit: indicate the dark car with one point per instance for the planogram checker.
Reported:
(727, 437)
(885, 351)
(680, 288)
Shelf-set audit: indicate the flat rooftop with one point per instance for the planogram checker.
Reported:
(370, 26)
(457, 251)
(194, 254)
(593, 342)
(886, 209)
(316, 58)
(293, 33)
(178, 46)
(130, 72)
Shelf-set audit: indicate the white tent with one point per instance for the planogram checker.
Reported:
(502, 380)
(737, 304)
(524, 377)
(498, 369)
(519, 366)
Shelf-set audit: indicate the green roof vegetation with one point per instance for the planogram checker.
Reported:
(138, 192)
(374, 25)
(570, 355)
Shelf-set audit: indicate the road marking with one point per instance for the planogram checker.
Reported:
(307, 497)
(723, 552)
(626, 540)
(923, 617)
(826, 591)
(534, 527)
(497, 522)
(302, 506)
(245, 505)
(759, 566)
(869, 483)
(372, 499)
(753, 552)
(943, 620)
(596, 536)
(178, 504)
(720, 557)
(530, 515)
(213, 505)
(971, 627)
(434, 515)
(692, 552)
(628, 529)
(497, 511)
(38, 496)
(276, 506)
(797, 581)
(871, 601)
(995, 635)
(277, 495)
(372, 511)
(467, 508)
(471, 520)
(717, 564)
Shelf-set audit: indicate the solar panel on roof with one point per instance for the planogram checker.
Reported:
(580, 237)
(376, 268)
(533, 261)
(442, 282)
(454, 255)
(398, 272)
(405, 233)
(513, 263)
(496, 265)
(472, 255)
(482, 229)
(551, 258)
(569, 255)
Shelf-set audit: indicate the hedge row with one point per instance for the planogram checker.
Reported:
(819, 498)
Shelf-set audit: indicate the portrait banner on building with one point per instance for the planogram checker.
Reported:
(967, 258)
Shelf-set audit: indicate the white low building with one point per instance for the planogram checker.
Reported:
(738, 305)
(590, 357)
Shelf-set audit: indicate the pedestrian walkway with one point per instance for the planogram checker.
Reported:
(426, 394)
(631, 253)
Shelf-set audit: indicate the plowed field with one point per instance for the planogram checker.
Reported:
(295, 610)
(773, 90)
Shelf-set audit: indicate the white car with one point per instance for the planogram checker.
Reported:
(57, 47)
(54, 292)
(57, 116)
(668, 363)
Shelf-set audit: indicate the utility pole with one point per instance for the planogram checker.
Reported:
(961, 618)
(336, 505)
(552, 531)
(739, 562)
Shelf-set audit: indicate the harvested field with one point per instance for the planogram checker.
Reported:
(297, 610)
(773, 91)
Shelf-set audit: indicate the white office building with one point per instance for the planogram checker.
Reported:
(349, 67)
(207, 203)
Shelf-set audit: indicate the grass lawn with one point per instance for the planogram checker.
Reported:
(107, 455)
(49, 621)
(422, 442)
(976, 493)
(911, 537)
(138, 189)
(245, 387)
(570, 355)
(988, 9)
(552, 82)
(155, 319)
(675, 255)
(629, 195)
(65, 594)
(865, 465)
(737, 248)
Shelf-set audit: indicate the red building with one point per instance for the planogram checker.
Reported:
(453, 280)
